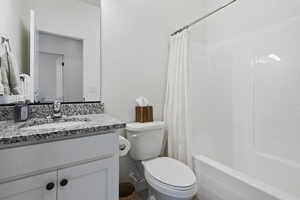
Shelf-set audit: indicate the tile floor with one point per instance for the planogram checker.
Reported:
(142, 195)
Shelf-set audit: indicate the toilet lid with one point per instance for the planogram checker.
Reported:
(170, 171)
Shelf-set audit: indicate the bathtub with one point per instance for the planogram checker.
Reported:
(219, 182)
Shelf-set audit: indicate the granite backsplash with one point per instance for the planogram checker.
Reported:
(45, 110)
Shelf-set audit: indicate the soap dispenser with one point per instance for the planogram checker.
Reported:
(21, 111)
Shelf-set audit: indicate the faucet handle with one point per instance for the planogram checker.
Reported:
(56, 106)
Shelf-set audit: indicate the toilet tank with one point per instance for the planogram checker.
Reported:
(146, 139)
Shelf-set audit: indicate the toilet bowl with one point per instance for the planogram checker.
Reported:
(168, 178)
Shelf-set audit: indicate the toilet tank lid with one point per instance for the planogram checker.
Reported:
(137, 126)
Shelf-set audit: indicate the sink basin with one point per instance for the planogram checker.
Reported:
(58, 125)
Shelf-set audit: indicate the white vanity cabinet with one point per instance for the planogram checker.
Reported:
(76, 169)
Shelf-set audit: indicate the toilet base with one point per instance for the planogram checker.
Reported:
(155, 195)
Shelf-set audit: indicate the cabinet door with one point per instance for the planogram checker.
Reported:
(91, 181)
(32, 188)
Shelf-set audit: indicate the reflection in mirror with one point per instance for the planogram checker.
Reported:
(63, 61)
(61, 66)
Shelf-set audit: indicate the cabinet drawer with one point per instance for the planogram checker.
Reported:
(39, 158)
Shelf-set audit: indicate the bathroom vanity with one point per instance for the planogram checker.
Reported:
(75, 157)
(40, 161)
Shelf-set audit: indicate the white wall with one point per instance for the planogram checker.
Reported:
(135, 36)
(13, 25)
(245, 66)
(78, 20)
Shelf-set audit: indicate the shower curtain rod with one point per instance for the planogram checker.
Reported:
(202, 18)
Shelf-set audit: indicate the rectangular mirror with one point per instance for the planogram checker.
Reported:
(56, 45)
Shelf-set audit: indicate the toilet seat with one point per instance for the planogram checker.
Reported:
(159, 183)
(167, 190)
(170, 177)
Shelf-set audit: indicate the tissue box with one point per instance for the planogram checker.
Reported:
(144, 114)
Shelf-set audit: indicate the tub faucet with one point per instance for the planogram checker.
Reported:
(57, 109)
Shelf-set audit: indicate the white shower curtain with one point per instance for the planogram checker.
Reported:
(176, 108)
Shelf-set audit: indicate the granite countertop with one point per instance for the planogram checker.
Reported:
(14, 134)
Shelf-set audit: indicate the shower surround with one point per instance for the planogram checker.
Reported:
(245, 82)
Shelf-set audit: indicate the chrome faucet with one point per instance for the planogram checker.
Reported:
(57, 109)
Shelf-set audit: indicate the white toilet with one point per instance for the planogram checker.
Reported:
(168, 178)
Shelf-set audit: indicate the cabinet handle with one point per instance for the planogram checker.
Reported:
(50, 186)
(64, 182)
